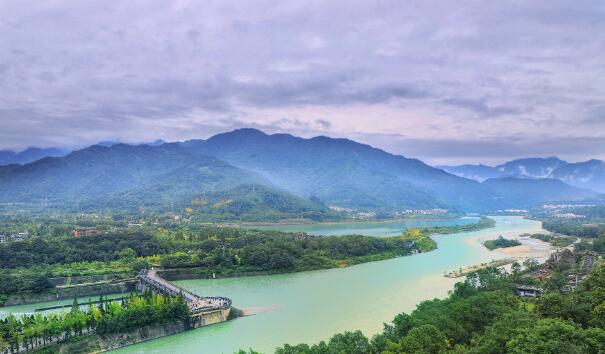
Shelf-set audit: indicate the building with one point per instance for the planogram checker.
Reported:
(21, 236)
(86, 232)
(528, 291)
(569, 216)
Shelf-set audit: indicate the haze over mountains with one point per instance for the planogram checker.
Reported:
(589, 174)
(237, 172)
(28, 155)
(31, 154)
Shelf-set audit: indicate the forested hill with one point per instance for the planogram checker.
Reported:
(117, 176)
(28, 155)
(298, 177)
(343, 172)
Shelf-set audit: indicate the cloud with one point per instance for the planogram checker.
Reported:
(73, 73)
(481, 108)
(323, 124)
(447, 151)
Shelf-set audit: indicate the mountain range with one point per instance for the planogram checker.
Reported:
(233, 174)
(31, 154)
(588, 175)
(28, 155)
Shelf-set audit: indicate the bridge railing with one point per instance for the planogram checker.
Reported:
(195, 302)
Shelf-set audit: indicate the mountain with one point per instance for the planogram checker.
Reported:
(525, 193)
(110, 143)
(588, 175)
(28, 155)
(125, 177)
(342, 172)
(291, 176)
(477, 172)
(157, 142)
(531, 167)
(121, 174)
(256, 202)
(345, 173)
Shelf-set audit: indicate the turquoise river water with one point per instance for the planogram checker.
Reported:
(384, 228)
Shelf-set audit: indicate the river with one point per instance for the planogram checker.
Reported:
(379, 229)
(313, 306)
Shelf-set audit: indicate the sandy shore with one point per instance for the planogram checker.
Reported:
(529, 248)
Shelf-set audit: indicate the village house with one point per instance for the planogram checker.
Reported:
(21, 236)
(528, 291)
(86, 232)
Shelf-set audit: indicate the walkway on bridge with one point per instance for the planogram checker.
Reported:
(150, 278)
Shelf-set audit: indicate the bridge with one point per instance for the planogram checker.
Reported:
(204, 310)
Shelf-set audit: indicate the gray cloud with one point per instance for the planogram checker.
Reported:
(450, 78)
(447, 151)
(481, 108)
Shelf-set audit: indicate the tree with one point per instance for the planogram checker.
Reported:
(552, 305)
(350, 343)
(426, 339)
(40, 282)
(530, 264)
(549, 336)
(127, 254)
(494, 340)
(595, 340)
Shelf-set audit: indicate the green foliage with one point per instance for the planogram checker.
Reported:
(178, 260)
(255, 202)
(483, 223)
(500, 242)
(557, 241)
(347, 342)
(549, 336)
(582, 229)
(13, 283)
(421, 239)
(32, 331)
(121, 252)
(107, 247)
(425, 339)
(127, 254)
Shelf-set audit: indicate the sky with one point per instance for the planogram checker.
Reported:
(445, 81)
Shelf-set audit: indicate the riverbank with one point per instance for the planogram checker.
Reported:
(102, 343)
(223, 251)
(421, 238)
(344, 221)
(529, 247)
(382, 228)
(463, 272)
(69, 292)
(396, 246)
